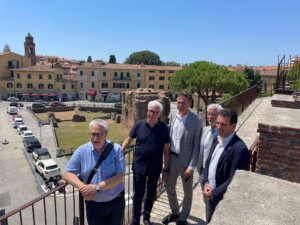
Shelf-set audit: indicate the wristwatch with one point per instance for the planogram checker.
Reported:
(98, 189)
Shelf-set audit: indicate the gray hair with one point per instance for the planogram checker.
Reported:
(100, 123)
(214, 106)
(156, 103)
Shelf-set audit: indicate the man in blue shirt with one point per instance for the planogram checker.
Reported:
(104, 195)
(152, 144)
(228, 154)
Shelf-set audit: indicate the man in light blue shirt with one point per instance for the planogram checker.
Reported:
(104, 195)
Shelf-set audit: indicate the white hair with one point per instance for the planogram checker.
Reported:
(156, 103)
(214, 106)
(100, 123)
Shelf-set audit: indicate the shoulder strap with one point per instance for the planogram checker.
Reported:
(103, 156)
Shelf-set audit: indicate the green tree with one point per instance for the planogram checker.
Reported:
(112, 59)
(208, 80)
(294, 76)
(144, 57)
(172, 63)
(253, 77)
(89, 59)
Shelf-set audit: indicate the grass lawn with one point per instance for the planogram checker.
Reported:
(73, 134)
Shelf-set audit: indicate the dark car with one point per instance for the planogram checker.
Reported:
(37, 105)
(13, 99)
(57, 104)
(31, 144)
(16, 104)
(41, 153)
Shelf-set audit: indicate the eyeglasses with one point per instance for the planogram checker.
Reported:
(98, 135)
(152, 112)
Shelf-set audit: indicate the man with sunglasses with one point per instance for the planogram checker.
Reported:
(152, 146)
(104, 195)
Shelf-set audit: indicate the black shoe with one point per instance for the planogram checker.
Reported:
(181, 222)
(146, 222)
(170, 218)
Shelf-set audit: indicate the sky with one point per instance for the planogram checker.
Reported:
(248, 32)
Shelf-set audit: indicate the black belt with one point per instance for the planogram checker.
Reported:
(174, 153)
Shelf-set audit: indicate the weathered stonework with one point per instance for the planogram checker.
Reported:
(135, 103)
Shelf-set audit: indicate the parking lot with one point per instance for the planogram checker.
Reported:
(19, 181)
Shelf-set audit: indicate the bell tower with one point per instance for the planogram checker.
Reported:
(30, 49)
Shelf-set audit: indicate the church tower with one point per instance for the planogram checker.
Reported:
(30, 49)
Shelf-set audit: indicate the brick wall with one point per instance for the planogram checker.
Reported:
(279, 152)
(286, 104)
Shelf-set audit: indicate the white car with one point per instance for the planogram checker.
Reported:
(27, 134)
(16, 121)
(21, 129)
(47, 168)
(12, 110)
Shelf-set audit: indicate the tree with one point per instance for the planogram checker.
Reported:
(112, 59)
(144, 57)
(172, 63)
(208, 80)
(253, 77)
(294, 76)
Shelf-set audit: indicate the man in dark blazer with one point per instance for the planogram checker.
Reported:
(185, 133)
(228, 154)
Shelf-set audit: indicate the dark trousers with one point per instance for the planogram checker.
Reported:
(210, 208)
(139, 184)
(106, 213)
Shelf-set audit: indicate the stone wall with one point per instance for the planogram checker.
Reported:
(135, 102)
(286, 104)
(279, 152)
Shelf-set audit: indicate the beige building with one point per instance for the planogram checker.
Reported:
(106, 82)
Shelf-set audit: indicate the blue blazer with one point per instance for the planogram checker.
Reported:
(234, 157)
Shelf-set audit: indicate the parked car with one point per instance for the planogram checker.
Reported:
(31, 144)
(47, 168)
(21, 128)
(17, 121)
(118, 105)
(13, 99)
(41, 102)
(16, 104)
(57, 104)
(37, 105)
(41, 153)
(16, 116)
(12, 110)
(26, 134)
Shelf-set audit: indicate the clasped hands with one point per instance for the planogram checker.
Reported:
(88, 191)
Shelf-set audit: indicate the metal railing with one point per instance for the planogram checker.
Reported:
(61, 205)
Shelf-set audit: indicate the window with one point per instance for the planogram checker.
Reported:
(121, 75)
(13, 64)
(12, 74)
(138, 75)
(93, 84)
(161, 78)
(161, 71)
(169, 78)
(72, 86)
(115, 74)
(127, 85)
(168, 86)
(93, 73)
(18, 75)
(151, 78)
(171, 71)
(161, 87)
(40, 76)
(81, 73)
(49, 77)
(114, 85)
(104, 73)
(29, 85)
(29, 76)
(41, 86)
(81, 85)
(63, 86)
(104, 85)
(151, 71)
(50, 86)
(18, 85)
(128, 75)
(138, 85)
(9, 85)
(151, 86)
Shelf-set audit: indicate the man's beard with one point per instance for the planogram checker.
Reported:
(212, 123)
